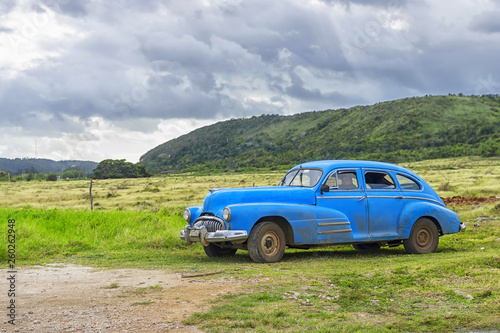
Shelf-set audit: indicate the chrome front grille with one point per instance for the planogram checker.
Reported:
(212, 223)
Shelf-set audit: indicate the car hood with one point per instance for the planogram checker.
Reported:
(219, 198)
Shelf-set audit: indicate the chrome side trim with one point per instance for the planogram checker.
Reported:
(334, 231)
(417, 198)
(353, 197)
(331, 224)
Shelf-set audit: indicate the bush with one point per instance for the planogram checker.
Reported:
(52, 177)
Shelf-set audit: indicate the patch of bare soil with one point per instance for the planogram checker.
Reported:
(465, 201)
(59, 298)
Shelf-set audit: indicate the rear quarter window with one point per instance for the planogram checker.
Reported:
(407, 183)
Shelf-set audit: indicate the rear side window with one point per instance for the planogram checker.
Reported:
(379, 180)
(407, 183)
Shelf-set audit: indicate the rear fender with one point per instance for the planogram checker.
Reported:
(447, 220)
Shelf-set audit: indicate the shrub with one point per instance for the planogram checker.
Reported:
(52, 177)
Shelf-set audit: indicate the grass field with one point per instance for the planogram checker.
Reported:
(136, 223)
(462, 176)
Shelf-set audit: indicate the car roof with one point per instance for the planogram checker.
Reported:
(330, 164)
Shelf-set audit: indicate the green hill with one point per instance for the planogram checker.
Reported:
(408, 129)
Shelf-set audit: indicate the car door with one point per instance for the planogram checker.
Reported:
(342, 209)
(385, 203)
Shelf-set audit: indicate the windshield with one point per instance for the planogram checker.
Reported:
(302, 178)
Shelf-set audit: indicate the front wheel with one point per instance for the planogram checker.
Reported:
(213, 250)
(424, 237)
(266, 243)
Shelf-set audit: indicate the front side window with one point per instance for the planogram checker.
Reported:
(302, 178)
(407, 183)
(343, 180)
(379, 180)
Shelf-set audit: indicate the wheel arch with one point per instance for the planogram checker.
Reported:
(434, 220)
(414, 211)
(283, 224)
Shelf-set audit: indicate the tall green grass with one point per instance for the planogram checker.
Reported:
(42, 234)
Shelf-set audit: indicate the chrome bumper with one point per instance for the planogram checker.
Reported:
(191, 235)
(462, 226)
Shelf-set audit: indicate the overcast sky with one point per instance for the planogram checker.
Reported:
(96, 79)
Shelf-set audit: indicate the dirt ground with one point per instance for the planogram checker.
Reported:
(61, 298)
(464, 201)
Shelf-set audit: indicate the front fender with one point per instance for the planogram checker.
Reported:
(302, 218)
(448, 220)
(195, 213)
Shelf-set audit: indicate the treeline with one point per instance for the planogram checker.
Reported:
(106, 169)
(33, 175)
(404, 130)
(19, 166)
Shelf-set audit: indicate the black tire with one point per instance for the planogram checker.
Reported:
(366, 246)
(266, 242)
(213, 251)
(424, 237)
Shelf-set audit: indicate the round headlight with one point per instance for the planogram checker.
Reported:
(187, 215)
(226, 214)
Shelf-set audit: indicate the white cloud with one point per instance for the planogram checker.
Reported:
(100, 139)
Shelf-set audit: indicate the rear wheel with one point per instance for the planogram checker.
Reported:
(266, 242)
(213, 250)
(366, 246)
(424, 237)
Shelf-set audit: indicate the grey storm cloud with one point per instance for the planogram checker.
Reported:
(134, 61)
(74, 8)
(487, 22)
(6, 30)
(6, 6)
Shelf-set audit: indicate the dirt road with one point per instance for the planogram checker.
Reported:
(59, 298)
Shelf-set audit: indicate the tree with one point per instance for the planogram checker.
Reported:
(119, 169)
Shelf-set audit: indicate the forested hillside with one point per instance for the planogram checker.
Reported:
(408, 129)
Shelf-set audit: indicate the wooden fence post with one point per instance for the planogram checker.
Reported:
(91, 200)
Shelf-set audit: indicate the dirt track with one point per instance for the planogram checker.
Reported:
(59, 298)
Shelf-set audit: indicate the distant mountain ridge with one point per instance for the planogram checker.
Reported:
(409, 129)
(41, 165)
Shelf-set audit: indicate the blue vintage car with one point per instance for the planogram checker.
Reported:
(363, 203)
